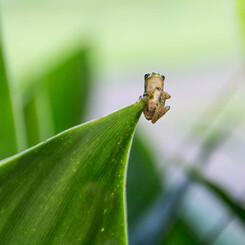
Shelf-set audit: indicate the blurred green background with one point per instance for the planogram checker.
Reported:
(96, 53)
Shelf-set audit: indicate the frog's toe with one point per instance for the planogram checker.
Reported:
(160, 111)
(167, 96)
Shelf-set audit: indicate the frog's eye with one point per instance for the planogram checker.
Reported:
(163, 77)
(147, 75)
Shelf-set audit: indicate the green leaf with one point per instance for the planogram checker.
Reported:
(8, 139)
(58, 99)
(70, 189)
(32, 122)
(234, 206)
(143, 180)
(68, 88)
(181, 233)
(241, 13)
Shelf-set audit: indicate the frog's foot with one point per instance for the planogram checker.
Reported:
(160, 111)
(166, 95)
(151, 94)
(145, 96)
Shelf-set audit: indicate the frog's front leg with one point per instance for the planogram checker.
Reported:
(151, 93)
(159, 112)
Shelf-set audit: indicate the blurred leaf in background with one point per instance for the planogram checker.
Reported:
(143, 181)
(178, 33)
(58, 100)
(181, 233)
(12, 131)
(241, 14)
(8, 141)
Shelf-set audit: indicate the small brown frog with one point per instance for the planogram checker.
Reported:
(155, 107)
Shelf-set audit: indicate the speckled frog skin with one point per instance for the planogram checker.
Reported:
(155, 108)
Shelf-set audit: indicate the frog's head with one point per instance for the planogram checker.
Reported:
(153, 80)
(154, 74)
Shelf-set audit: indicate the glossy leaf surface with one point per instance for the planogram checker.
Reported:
(235, 206)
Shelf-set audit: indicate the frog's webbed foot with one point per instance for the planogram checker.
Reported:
(166, 95)
(144, 97)
(160, 111)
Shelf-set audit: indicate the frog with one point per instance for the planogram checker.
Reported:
(154, 90)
